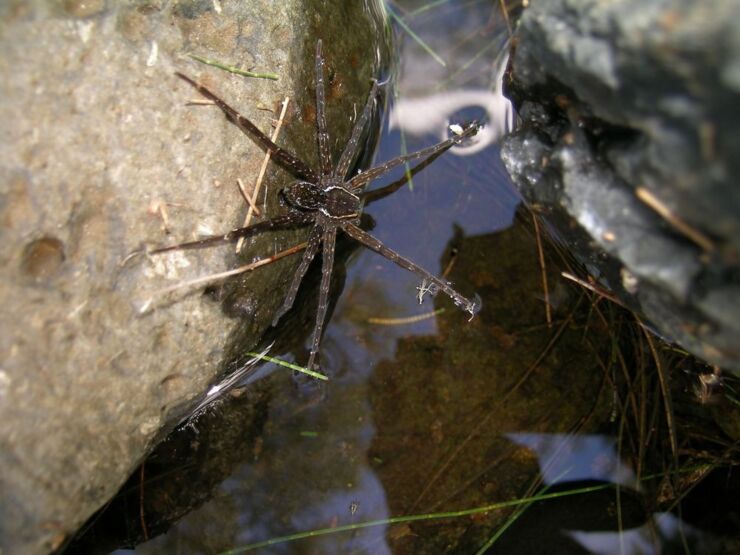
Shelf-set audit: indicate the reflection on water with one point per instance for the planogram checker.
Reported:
(431, 114)
(572, 460)
(568, 458)
(648, 539)
(446, 403)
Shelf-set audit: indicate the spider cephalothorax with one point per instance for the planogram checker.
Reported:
(328, 200)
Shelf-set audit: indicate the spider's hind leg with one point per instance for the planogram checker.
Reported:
(327, 264)
(433, 283)
(308, 255)
(291, 219)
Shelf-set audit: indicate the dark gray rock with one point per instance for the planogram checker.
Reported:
(96, 134)
(629, 128)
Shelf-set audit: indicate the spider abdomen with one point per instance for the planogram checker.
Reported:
(304, 195)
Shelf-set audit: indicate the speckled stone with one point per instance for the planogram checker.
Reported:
(98, 139)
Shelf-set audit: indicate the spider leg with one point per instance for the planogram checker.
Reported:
(327, 264)
(350, 151)
(368, 197)
(468, 305)
(322, 133)
(314, 240)
(365, 177)
(291, 219)
(280, 155)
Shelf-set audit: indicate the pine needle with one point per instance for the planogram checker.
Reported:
(233, 69)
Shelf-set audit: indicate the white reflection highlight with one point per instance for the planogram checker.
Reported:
(568, 458)
(639, 541)
(431, 114)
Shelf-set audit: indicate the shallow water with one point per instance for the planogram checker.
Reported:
(434, 415)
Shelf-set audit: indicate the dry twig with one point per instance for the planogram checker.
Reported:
(263, 168)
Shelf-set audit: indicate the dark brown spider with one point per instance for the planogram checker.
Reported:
(328, 200)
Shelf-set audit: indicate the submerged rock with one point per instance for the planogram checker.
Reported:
(457, 413)
(629, 130)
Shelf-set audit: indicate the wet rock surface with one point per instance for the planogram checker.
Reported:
(627, 145)
(180, 474)
(186, 475)
(101, 157)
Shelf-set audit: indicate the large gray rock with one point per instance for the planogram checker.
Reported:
(629, 128)
(96, 134)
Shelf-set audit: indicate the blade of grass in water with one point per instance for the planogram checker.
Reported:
(416, 37)
(409, 518)
(432, 516)
(407, 166)
(512, 519)
(232, 69)
(451, 78)
(426, 8)
(289, 365)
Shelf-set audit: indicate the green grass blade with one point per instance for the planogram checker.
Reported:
(290, 365)
(416, 37)
(233, 69)
(524, 502)
(409, 518)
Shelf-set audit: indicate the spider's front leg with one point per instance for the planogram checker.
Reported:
(350, 150)
(322, 133)
(362, 179)
(293, 164)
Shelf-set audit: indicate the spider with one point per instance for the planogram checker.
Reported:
(328, 200)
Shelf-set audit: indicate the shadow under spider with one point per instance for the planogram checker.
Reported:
(329, 200)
